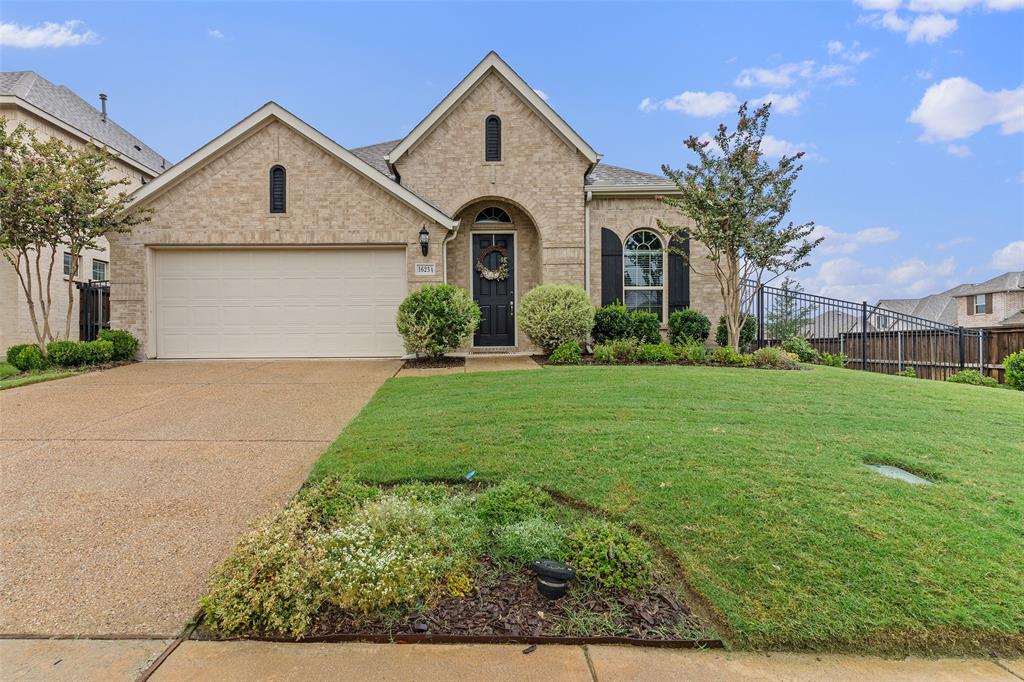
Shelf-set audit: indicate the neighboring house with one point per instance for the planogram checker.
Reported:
(274, 240)
(998, 302)
(936, 307)
(55, 111)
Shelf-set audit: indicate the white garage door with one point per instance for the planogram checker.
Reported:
(262, 303)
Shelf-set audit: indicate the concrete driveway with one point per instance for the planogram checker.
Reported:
(121, 490)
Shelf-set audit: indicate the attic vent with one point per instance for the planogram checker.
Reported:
(277, 189)
(492, 139)
(137, 148)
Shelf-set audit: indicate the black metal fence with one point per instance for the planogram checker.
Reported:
(93, 309)
(873, 338)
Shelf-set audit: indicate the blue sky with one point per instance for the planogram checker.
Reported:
(911, 111)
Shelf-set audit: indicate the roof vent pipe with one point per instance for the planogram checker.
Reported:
(103, 107)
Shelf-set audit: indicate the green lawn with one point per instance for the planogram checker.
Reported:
(10, 377)
(755, 480)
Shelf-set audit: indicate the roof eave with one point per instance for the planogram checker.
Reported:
(632, 190)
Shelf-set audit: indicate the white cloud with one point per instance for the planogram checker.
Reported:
(47, 34)
(852, 54)
(957, 6)
(215, 33)
(782, 76)
(954, 242)
(782, 103)
(853, 280)
(775, 148)
(837, 242)
(647, 104)
(1004, 5)
(882, 5)
(960, 151)
(924, 75)
(700, 104)
(540, 93)
(956, 108)
(926, 27)
(1010, 257)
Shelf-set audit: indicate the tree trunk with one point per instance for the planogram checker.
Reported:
(25, 278)
(732, 296)
(71, 294)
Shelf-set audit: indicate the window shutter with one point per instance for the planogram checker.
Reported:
(970, 305)
(277, 190)
(611, 267)
(988, 304)
(492, 139)
(678, 273)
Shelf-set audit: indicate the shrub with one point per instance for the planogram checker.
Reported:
(973, 377)
(125, 344)
(645, 327)
(773, 357)
(726, 356)
(437, 319)
(529, 540)
(29, 358)
(837, 360)
(1014, 366)
(609, 554)
(619, 352)
(688, 325)
(909, 372)
(331, 499)
(798, 346)
(612, 323)
(509, 502)
(96, 352)
(14, 351)
(271, 582)
(553, 314)
(566, 354)
(656, 352)
(64, 353)
(694, 352)
(747, 332)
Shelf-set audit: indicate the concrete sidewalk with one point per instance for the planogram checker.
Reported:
(86, 660)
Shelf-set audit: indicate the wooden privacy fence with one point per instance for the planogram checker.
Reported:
(876, 339)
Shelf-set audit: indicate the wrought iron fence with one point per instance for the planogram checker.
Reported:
(874, 339)
(93, 309)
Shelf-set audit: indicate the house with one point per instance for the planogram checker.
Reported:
(998, 302)
(55, 111)
(273, 240)
(939, 308)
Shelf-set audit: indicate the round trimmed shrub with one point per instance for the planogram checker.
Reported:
(747, 332)
(554, 314)
(973, 377)
(688, 325)
(798, 346)
(437, 319)
(567, 354)
(14, 354)
(96, 352)
(125, 344)
(64, 353)
(1014, 366)
(646, 327)
(612, 323)
(30, 359)
(656, 352)
(609, 554)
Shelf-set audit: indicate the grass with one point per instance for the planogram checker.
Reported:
(12, 377)
(755, 480)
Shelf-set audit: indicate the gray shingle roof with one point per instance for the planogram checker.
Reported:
(374, 155)
(1008, 281)
(604, 174)
(61, 103)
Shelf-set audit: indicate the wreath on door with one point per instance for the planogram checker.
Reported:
(499, 275)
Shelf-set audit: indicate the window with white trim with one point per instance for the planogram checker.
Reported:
(67, 263)
(643, 272)
(979, 304)
(99, 270)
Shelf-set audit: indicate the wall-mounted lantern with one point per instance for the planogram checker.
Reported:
(424, 240)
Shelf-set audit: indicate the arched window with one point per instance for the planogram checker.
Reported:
(492, 139)
(277, 189)
(492, 214)
(643, 266)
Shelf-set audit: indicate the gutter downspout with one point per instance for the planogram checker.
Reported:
(444, 250)
(586, 240)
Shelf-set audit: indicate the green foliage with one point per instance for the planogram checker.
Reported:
(688, 325)
(29, 358)
(727, 356)
(612, 323)
(64, 353)
(609, 554)
(510, 502)
(1013, 364)
(332, 498)
(567, 354)
(437, 319)
(95, 352)
(694, 352)
(271, 582)
(554, 314)
(657, 353)
(125, 344)
(837, 360)
(798, 346)
(747, 332)
(645, 326)
(14, 355)
(619, 352)
(973, 377)
(535, 538)
(788, 315)
(773, 357)
(909, 372)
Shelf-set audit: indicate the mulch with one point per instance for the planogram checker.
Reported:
(434, 363)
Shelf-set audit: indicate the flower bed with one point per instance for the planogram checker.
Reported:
(438, 561)
(631, 352)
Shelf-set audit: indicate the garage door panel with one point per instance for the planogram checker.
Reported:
(278, 303)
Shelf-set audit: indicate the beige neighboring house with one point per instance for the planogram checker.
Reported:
(998, 302)
(273, 240)
(55, 111)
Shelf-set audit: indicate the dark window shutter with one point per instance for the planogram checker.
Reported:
(678, 273)
(277, 189)
(611, 267)
(492, 139)
(988, 304)
(970, 305)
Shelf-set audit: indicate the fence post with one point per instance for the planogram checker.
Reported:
(760, 317)
(864, 335)
(981, 351)
(960, 344)
(899, 351)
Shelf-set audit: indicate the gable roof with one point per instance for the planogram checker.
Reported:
(1008, 281)
(63, 107)
(272, 110)
(939, 307)
(492, 63)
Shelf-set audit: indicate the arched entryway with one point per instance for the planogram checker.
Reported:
(496, 257)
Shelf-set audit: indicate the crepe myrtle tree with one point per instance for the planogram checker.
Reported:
(54, 196)
(738, 202)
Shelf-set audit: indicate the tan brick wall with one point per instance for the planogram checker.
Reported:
(624, 215)
(15, 321)
(1004, 304)
(226, 202)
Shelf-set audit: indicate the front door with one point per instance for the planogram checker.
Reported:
(494, 271)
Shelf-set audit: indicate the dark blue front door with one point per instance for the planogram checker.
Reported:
(496, 297)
